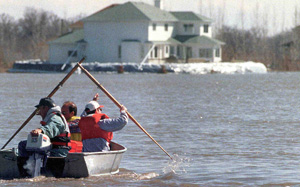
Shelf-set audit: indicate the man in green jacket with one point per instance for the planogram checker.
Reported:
(54, 126)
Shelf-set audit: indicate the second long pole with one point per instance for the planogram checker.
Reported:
(119, 105)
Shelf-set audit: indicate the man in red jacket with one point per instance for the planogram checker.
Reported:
(97, 128)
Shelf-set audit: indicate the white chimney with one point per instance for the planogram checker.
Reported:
(158, 4)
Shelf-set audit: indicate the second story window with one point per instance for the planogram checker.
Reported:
(188, 27)
(154, 26)
(206, 28)
(166, 27)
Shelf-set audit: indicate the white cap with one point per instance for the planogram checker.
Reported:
(93, 105)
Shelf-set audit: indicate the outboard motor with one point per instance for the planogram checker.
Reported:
(38, 145)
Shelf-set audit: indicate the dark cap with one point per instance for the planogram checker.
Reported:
(47, 101)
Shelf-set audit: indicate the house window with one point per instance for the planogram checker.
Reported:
(155, 52)
(178, 51)
(218, 52)
(167, 49)
(188, 27)
(119, 51)
(189, 52)
(73, 53)
(142, 51)
(154, 26)
(166, 27)
(206, 28)
(172, 50)
(205, 53)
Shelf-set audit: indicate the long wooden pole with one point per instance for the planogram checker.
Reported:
(119, 105)
(50, 95)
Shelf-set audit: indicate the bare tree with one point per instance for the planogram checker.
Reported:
(27, 38)
(7, 37)
(242, 15)
(36, 28)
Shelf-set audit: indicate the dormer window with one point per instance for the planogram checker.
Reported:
(206, 28)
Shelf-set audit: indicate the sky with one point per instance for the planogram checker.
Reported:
(279, 15)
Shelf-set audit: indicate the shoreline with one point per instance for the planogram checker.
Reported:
(185, 68)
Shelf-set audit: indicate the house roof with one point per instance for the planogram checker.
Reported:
(191, 16)
(70, 38)
(195, 39)
(170, 41)
(77, 25)
(132, 11)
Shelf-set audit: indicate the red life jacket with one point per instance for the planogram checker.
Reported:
(90, 129)
(76, 146)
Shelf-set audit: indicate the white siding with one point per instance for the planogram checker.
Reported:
(180, 28)
(131, 52)
(104, 39)
(160, 34)
(58, 53)
(202, 33)
(217, 59)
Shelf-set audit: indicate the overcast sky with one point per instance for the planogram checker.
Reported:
(278, 14)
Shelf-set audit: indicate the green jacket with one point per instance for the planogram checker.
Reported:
(55, 126)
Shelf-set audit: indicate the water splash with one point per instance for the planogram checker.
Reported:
(177, 165)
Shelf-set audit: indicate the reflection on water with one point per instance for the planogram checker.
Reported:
(222, 130)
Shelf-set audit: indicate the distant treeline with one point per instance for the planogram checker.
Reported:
(255, 45)
(27, 38)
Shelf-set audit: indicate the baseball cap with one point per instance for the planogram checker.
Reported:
(93, 105)
(47, 101)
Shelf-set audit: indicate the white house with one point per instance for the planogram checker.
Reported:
(138, 32)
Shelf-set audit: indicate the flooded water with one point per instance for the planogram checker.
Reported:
(221, 130)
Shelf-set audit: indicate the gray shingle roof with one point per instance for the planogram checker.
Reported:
(132, 11)
(70, 38)
(191, 16)
(195, 39)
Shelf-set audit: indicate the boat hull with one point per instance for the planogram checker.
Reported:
(75, 165)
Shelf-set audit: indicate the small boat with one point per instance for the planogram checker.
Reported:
(75, 165)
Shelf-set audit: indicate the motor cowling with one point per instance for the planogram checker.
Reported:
(38, 143)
